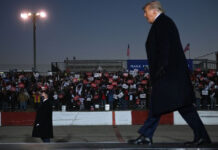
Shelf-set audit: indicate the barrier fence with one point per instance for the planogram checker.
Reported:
(101, 118)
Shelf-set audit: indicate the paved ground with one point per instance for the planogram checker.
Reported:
(167, 137)
(164, 133)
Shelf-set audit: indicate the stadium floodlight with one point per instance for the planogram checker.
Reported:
(33, 16)
(26, 15)
(43, 14)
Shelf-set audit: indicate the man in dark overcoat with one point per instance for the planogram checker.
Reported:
(43, 127)
(171, 85)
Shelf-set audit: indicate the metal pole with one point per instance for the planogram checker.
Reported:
(34, 42)
(189, 54)
(216, 60)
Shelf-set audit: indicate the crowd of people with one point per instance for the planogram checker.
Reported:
(206, 88)
(91, 91)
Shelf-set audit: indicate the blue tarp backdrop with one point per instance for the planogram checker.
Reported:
(142, 65)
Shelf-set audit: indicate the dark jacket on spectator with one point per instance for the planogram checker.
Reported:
(43, 124)
(5, 97)
(171, 84)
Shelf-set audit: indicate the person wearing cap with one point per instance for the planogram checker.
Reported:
(43, 127)
(171, 85)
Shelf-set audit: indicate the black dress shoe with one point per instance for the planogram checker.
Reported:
(198, 142)
(141, 140)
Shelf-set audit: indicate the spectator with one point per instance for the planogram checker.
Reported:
(71, 105)
(198, 97)
(96, 100)
(142, 96)
(122, 103)
(22, 98)
(76, 103)
(110, 99)
(212, 99)
(126, 99)
(115, 102)
(133, 84)
(13, 100)
(56, 102)
(88, 101)
(36, 99)
(131, 100)
(103, 99)
(5, 100)
(205, 96)
(27, 94)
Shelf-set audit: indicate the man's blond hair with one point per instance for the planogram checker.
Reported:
(154, 5)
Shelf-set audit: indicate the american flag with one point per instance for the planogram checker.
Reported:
(128, 51)
(187, 48)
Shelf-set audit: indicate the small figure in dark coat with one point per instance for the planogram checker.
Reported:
(43, 127)
(171, 85)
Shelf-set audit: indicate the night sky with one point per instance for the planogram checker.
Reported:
(99, 29)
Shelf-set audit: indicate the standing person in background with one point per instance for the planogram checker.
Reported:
(171, 85)
(36, 99)
(88, 101)
(115, 98)
(110, 98)
(5, 100)
(212, 98)
(22, 98)
(43, 127)
(103, 99)
(198, 97)
(13, 100)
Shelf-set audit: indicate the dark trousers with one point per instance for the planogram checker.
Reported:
(188, 113)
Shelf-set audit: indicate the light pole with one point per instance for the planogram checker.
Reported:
(34, 16)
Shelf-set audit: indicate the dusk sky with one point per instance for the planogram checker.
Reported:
(99, 29)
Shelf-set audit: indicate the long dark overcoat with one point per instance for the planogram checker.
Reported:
(171, 84)
(43, 127)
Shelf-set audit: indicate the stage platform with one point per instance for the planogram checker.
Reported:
(102, 138)
(102, 146)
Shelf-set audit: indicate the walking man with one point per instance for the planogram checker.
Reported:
(171, 85)
(43, 123)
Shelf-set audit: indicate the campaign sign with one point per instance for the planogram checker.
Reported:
(140, 65)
